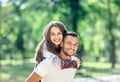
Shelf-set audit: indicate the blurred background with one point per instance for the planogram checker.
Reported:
(21, 28)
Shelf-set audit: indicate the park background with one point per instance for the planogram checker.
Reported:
(21, 28)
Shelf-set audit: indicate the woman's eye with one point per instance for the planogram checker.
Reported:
(59, 33)
(52, 34)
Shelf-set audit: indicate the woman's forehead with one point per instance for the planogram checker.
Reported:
(54, 28)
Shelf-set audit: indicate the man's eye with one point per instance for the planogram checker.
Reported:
(75, 44)
(68, 43)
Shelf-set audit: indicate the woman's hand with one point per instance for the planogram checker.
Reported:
(78, 62)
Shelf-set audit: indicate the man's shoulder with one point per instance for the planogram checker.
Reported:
(44, 64)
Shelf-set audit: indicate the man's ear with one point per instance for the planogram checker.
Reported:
(61, 44)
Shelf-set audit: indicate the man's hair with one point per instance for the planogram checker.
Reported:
(70, 34)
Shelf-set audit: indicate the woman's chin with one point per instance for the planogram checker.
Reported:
(56, 45)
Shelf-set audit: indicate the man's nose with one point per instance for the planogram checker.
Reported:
(72, 46)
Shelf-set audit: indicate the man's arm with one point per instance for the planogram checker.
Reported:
(34, 77)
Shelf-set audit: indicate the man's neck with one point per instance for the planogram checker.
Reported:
(64, 57)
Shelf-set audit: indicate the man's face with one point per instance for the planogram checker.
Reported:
(70, 45)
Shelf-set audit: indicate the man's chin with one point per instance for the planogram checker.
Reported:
(68, 55)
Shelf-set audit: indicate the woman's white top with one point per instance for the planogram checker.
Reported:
(54, 58)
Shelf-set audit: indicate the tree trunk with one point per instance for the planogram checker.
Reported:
(112, 40)
(74, 5)
(113, 55)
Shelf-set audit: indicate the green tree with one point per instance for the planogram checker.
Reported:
(112, 27)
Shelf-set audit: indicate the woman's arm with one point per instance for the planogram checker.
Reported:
(77, 60)
(34, 77)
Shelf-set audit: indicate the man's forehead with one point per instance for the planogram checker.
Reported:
(71, 37)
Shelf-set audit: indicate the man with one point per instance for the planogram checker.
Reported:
(46, 71)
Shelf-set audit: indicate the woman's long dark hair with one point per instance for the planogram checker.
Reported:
(46, 40)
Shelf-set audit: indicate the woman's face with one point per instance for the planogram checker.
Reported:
(56, 35)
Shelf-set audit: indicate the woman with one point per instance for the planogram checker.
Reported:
(50, 45)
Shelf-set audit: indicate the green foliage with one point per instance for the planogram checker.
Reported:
(23, 23)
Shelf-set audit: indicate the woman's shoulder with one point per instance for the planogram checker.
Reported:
(47, 54)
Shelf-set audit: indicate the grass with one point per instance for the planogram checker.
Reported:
(94, 69)
(17, 70)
